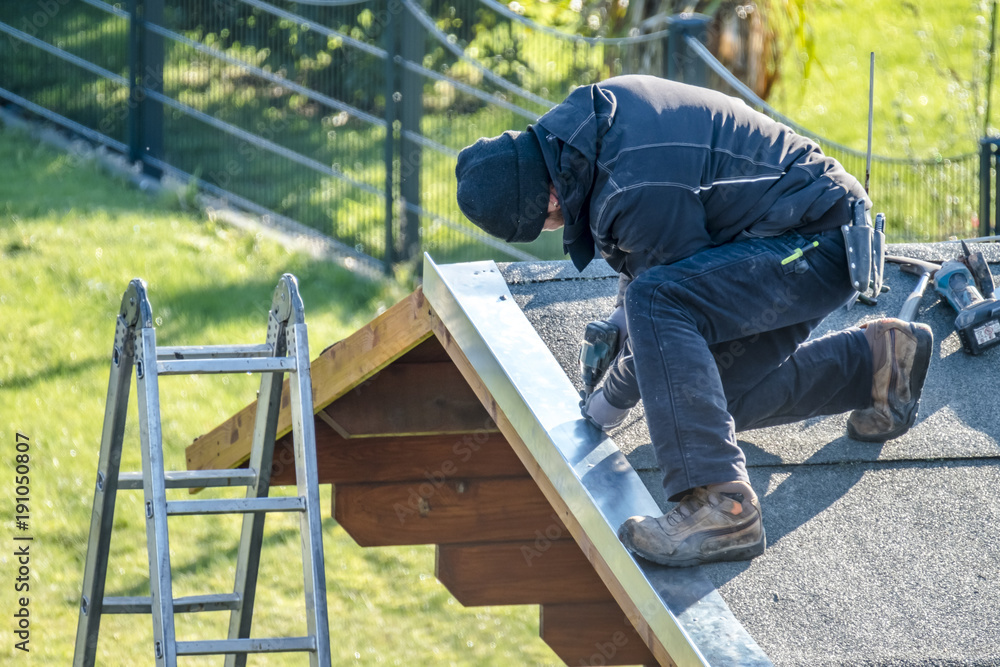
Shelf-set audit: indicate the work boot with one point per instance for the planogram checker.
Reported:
(704, 527)
(901, 353)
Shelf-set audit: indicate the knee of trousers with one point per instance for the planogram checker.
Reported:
(651, 288)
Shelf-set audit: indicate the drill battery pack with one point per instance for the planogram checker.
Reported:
(979, 326)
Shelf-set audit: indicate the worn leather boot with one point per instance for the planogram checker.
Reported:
(704, 527)
(901, 353)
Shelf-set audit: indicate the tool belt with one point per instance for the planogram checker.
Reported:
(865, 246)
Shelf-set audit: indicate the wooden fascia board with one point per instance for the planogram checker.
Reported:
(338, 369)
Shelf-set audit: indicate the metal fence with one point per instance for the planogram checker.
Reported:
(924, 200)
(348, 116)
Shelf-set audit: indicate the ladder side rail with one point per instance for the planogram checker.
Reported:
(155, 497)
(307, 482)
(105, 493)
(261, 458)
(135, 345)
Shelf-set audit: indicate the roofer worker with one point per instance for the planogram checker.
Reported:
(725, 228)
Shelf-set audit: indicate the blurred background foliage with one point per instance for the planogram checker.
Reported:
(482, 67)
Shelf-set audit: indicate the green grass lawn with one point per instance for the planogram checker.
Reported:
(70, 241)
(930, 73)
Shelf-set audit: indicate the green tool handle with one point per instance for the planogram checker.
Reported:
(799, 252)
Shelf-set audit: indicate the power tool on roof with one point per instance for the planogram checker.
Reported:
(967, 284)
(597, 351)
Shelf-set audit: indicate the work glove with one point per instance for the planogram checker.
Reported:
(601, 414)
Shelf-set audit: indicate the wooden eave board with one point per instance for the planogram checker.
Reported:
(338, 369)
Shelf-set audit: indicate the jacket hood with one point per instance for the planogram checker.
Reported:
(570, 147)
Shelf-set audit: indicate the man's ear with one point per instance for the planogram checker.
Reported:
(553, 197)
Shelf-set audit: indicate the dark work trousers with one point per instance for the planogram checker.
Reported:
(716, 344)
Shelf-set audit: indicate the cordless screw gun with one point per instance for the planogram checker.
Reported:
(978, 321)
(597, 351)
(967, 284)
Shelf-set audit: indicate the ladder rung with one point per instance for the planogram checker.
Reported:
(235, 505)
(192, 603)
(212, 351)
(202, 366)
(193, 479)
(271, 645)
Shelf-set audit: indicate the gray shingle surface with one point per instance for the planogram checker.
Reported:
(878, 554)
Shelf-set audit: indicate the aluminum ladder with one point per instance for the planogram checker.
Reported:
(286, 351)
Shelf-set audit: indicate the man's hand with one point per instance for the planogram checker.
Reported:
(601, 414)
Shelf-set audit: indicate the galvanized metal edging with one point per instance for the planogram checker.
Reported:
(601, 489)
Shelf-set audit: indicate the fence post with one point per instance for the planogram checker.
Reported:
(412, 43)
(145, 119)
(391, 36)
(986, 152)
(681, 63)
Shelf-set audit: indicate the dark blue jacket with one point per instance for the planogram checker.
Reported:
(652, 171)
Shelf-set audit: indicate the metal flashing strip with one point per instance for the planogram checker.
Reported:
(683, 610)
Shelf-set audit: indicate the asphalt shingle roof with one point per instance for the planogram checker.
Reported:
(877, 554)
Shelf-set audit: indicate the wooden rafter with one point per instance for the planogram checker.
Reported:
(337, 370)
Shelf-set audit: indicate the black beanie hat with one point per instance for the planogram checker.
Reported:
(503, 186)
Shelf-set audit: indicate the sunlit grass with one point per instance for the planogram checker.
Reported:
(70, 241)
(930, 69)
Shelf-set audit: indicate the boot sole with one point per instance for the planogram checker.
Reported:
(740, 553)
(922, 361)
